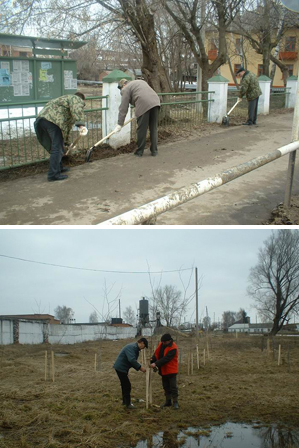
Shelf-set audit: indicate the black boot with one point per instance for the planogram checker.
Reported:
(167, 403)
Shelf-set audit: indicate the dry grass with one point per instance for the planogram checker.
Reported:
(83, 407)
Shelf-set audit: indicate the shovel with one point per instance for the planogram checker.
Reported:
(73, 145)
(89, 152)
(225, 120)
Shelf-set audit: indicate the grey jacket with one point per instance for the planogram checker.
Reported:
(127, 358)
(140, 95)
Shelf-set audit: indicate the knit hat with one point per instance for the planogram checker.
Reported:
(166, 337)
(241, 69)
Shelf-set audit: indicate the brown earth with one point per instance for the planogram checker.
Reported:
(240, 381)
(285, 216)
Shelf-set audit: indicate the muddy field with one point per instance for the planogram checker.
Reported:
(239, 380)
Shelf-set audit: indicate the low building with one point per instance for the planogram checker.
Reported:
(250, 328)
(44, 317)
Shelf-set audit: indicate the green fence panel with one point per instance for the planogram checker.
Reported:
(18, 143)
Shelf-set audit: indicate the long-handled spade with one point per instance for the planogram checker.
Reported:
(74, 144)
(89, 152)
(225, 120)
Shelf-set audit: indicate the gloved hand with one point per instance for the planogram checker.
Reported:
(117, 128)
(239, 100)
(83, 130)
(133, 113)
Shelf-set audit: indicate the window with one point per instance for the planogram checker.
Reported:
(290, 43)
(260, 70)
(23, 54)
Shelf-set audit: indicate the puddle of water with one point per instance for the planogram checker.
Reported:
(229, 435)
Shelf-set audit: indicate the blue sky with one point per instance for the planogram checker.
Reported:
(223, 258)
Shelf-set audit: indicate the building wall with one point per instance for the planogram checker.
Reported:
(6, 332)
(31, 332)
(254, 60)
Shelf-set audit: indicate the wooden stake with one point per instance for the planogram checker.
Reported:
(180, 361)
(95, 362)
(204, 356)
(99, 361)
(191, 363)
(279, 354)
(208, 352)
(53, 366)
(268, 346)
(188, 362)
(46, 364)
(197, 356)
(147, 375)
(150, 392)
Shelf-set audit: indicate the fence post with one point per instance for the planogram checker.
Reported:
(109, 117)
(291, 92)
(217, 107)
(264, 99)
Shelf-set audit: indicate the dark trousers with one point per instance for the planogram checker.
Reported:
(170, 387)
(125, 387)
(252, 111)
(145, 121)
(53, 132)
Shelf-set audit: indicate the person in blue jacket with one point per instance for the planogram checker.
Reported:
(126, 359)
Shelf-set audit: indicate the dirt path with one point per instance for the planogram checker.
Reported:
(105, 188)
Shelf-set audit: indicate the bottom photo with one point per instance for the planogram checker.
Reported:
(149, 338)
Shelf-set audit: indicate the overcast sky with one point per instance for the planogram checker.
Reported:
(223, 258)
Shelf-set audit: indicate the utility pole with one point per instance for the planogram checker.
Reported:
(196, 296)
(119, 312)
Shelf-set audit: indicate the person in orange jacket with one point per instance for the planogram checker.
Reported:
(165, 359)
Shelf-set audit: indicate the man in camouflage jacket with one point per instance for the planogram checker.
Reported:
(250, 88)
(53, 126)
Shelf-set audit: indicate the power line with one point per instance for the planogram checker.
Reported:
(94, 270)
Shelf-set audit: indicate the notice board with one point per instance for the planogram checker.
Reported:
(30, 79)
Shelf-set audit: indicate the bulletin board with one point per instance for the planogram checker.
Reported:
(29, 79)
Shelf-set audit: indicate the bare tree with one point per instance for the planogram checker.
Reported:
(228, 319)
(59, 18)
(274, 281)
(64, 314)
(264, 25)
(192, 16)
(242, 315)
(138, 17)
(129, 316)
(93, 318)
(109, 304)
(170, 303)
